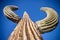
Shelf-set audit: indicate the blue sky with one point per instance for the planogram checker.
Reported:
(32, 7)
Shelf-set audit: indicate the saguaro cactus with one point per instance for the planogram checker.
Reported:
(26, 29)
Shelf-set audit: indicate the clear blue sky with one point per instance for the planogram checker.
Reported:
(32, 7)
